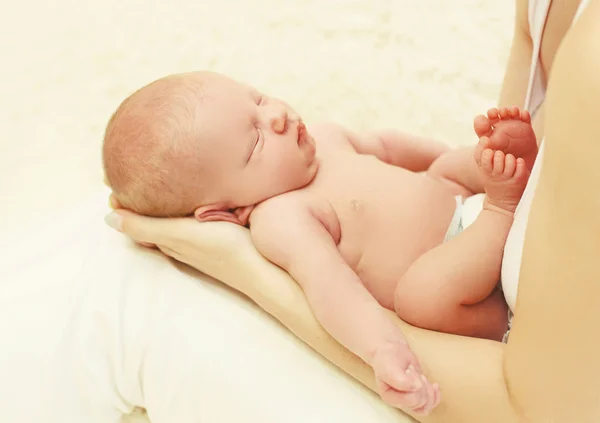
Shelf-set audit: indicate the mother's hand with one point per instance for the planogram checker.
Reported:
(221, 250)
(225, 252)
(170, 235)
(115, 220)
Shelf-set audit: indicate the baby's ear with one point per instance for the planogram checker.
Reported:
(217, 213)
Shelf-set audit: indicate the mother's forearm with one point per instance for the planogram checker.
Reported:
(469, 371)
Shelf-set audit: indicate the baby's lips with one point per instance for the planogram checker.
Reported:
(301, 133)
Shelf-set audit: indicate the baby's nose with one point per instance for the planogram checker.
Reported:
(278, 117)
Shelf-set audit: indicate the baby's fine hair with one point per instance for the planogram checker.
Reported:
(149, 151)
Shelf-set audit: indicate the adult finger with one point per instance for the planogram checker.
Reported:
(168, 252)
(144, 229)
(114, 204)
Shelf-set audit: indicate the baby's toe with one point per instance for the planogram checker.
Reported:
(493, 115)
(482, 126)
(482, 145)
(510, 165)
(514, 112)
(521, 170)
(525, 116)
(504, 113)
(498, 166)
(486, 162)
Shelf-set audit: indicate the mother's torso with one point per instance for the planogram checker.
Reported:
(549, 21)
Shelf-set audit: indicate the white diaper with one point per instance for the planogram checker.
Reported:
(465, 214)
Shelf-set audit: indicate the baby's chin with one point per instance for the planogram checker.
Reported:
(312, 170)
(310, 148)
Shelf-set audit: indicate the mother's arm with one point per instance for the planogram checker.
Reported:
(552, 361)
(516, 77)
(469, 370)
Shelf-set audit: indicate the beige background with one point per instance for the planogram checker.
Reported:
(426, 66)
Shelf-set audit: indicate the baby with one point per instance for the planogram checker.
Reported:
(361, 222)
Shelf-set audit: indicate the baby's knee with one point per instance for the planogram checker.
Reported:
(493, 312)
(418, 308)
(442, 313)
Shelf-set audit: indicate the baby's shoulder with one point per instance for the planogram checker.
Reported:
(291, 203)
(330, 135)
(297, 200)
(292, 208)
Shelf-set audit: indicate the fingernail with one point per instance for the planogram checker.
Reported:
(114, 221)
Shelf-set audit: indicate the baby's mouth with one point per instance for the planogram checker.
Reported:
(301, 133)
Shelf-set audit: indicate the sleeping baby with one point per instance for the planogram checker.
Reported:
(362, 222)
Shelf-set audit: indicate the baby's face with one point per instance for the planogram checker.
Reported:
(259, 147)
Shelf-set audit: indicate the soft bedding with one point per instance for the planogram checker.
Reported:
(112, 326)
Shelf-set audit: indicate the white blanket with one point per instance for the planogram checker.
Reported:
(80, 307)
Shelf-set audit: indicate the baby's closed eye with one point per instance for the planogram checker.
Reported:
(258, 143)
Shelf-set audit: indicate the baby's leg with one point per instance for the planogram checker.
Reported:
(457, 169)
(448, 288)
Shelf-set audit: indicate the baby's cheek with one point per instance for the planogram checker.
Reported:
(286, 171)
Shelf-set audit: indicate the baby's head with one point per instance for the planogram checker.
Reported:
(200, 143)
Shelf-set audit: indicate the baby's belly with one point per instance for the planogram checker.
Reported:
(385, 240)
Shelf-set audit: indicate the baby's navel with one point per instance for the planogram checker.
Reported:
(355, 205)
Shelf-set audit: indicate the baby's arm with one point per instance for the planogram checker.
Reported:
(400, 149)
(297, 238)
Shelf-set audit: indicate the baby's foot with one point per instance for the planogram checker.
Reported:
(504, 179)
(507, 129)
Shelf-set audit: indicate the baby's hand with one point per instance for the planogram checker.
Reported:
(400, 381)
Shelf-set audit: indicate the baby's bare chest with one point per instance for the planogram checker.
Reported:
(387, 215)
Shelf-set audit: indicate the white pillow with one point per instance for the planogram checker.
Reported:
(98, 326)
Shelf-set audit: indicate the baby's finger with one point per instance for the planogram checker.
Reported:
(415, 372)
(407, 380)
(408, 401)
(430, 398)
(415, 365)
